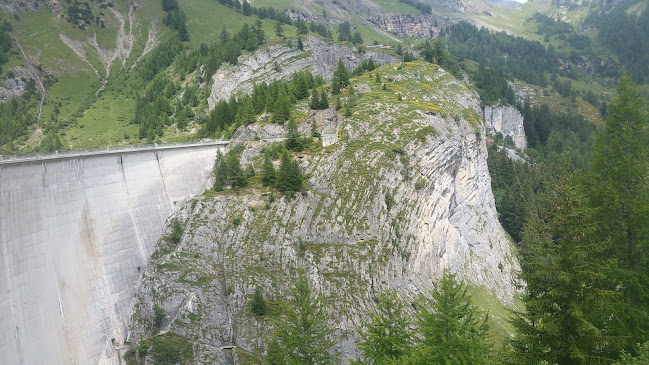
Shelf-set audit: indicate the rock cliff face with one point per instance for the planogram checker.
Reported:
(403, 194)
(280, 60)
(507, 120)
(417, 26)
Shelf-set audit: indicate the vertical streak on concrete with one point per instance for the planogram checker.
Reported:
(162, 178)
(140, 244)
(5, 262)
(63, 322)
(99, 268)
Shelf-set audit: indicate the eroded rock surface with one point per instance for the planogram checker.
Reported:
(507, 120)
(403, 194)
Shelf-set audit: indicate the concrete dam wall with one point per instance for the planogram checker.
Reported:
(74, 234)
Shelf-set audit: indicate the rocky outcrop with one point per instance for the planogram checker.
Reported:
(508, 121)
(281, 60)
(402, 195)
(417, 26)
(14, 87)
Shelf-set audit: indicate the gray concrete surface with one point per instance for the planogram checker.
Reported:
(74, 230)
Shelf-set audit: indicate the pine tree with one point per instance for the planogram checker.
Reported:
(303, 336)
(314, 103)
(279, 30)
(618, 186)
(220, 172)
(267, 171)
(236, 178)
(281, 107)
(258, 304)
(563, 297)
(386, 337)
(451, 329)
(300, 45)
(324, 102)
(293, 141)
(289, 176)
(340, 78)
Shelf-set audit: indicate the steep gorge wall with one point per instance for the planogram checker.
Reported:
(74, 234)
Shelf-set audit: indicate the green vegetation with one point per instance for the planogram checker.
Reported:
(448, 329)
(386, 336)
(302, 336)
(258, 304)
(583, 251)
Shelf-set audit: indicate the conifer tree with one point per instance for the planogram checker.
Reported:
(563, 296)
(314, 103)
(267, 171)
(386, 337)
(618, 186)
(219, 172)
(289, 176)
(303, 336)
(258, 304)
(236, 178)
(451, 329)
(293, 141)
(324, 102)
(281, 108)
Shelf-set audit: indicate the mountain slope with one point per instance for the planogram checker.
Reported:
(402, 194)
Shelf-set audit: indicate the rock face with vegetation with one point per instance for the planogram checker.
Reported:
(282, 60)
(417, 26)
(508, 121)
(402, 195)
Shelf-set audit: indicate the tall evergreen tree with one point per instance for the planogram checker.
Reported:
(268, 171)
(619, 194)
(563, 297)
(220, 172)
(324, 102)
(451, 329)
(293, 141)
(314, 103)
(281, 107)
(303, 336)
(386, 337)
(289, 176)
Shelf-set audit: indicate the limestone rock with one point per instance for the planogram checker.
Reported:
(280, 61)
(507, 120)
(403, 194)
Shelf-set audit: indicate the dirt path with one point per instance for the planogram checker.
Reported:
(37, 79)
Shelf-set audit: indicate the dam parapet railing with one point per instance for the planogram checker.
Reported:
(61, 155)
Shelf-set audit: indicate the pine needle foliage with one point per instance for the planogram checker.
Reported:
(303, 336)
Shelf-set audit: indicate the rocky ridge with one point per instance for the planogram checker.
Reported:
(417, 26)
(281, 60)
(403, 194)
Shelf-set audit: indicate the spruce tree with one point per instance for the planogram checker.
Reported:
(386, 337)
(451, 330)
(618, 186)
(281, 107)
(235, 175)
(267, 171)
(324, 102)
(220, 172)
(289, 176)
(293, 141)
(563, 297)
(303, 336)
(314, 103)
(258, 304)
